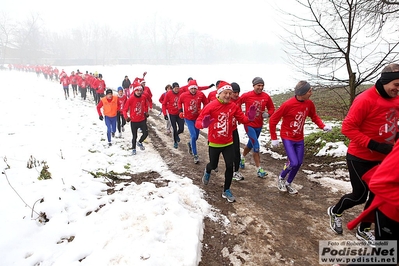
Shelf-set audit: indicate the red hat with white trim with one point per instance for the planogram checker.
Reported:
(192, 84)
(222, 86)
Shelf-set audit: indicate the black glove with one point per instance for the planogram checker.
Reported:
(146, 114)
(210, 86)
(166, 117)
(101, 117)
(128, 119)
(383, 148)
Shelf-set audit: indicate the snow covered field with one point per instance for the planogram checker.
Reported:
(141, 225)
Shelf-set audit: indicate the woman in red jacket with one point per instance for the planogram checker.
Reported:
(219, 116)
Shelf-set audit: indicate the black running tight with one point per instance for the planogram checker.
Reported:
(360, 191)
(228, 156)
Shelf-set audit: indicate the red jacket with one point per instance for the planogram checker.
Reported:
(137, 107)
(191, 104)
(220, 131)
(170, 103)
(383, 181)
(370, 117)
(262, 102)
(122, 101)
(65, 81)
(73, 79)
(293, 113)
(101, 86)
(212, 95)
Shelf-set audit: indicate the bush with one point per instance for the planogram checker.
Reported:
(314, 142)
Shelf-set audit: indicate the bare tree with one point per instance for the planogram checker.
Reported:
(341, 42)
(7, 32)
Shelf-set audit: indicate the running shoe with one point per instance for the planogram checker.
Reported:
(335, 221)
(237, 176)
(228, 195)
(261, 173)
(141, 146)
(205, 178)
(281, 184)
(290, 189)
(366, 236)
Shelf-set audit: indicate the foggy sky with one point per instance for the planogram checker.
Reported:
(240, 21)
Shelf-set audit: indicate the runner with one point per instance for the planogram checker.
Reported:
(136, 105)
(262, 101)
(65, 84)
(189, 105)
(167, 88)
(121, 122)
(170, 111)
(371, 126)
(218, 117)
(110, 106)
(237, 176)
(294, 112)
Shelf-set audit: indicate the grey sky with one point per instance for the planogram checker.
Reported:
(242, 21)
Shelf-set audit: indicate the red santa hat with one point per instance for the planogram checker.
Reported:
(223, 85)
(137, 86)
(192, 84)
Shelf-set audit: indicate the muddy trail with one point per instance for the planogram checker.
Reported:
(264, 226)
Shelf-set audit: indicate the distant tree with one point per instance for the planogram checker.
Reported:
(341, 42)
(7, 33)
(29, 39)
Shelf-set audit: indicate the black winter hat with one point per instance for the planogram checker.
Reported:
(108, 91)
(235, 86)
(175, 84)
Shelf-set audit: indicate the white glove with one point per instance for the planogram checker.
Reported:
(265, 115)
(275, 143)
(327, 128)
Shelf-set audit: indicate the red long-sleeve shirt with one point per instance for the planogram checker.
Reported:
(137, 107)
(371, 117)
(191, 104)
(293, 113)
(383, 181)
(262, 101)
(220, 131)
(170, 103)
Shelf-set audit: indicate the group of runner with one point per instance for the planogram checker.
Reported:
(371, 126)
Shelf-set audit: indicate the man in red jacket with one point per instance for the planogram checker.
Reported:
(137, 106)
(170, 111)
(371, 126)
(294, 112)
(190, 104)
(218, 117)
(264, 108)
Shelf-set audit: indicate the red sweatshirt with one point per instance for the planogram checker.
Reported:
(293, 113)
(170, 103)
(220, 131)
(262, 101)
(370, 117)
(383, 181)
(191, 104)
(137, 107)
(212, 96)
